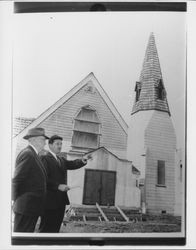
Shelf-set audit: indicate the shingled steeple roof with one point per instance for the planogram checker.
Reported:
(150, 90)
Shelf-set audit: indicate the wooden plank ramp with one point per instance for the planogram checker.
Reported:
(84, 218)
(122, 213)
(101, 212)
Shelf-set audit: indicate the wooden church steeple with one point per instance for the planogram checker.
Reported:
(150, 90)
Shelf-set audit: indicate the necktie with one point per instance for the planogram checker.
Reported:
(59, 162)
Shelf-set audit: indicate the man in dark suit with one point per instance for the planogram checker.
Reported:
(57, 198)
(29, 183)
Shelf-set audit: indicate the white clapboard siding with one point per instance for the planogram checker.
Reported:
(61, 120)
(126, 193)
(136, 133)
(160, 141)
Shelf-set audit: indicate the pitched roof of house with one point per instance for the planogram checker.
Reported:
(134, 169)
(68, 95)
(21, 123)
(150, 79)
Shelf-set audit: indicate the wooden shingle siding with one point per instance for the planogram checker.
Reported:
(160, 141)
(61, 121)
(149, 81)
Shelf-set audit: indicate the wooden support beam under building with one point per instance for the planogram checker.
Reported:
(101, 211)
(122, 213)
(84, 218)
(100, 218)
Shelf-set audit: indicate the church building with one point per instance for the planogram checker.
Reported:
(88, 121)
(133, 165)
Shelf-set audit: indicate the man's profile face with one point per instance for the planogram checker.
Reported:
(56, 146)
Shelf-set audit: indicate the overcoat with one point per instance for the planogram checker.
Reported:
(57, 174)
(29, 183)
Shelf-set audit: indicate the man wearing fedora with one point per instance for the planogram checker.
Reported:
(57, 198)
(29, 183)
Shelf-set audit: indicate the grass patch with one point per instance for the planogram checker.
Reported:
(159, 224)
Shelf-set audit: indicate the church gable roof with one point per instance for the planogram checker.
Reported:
(87, 82)
(150, 90)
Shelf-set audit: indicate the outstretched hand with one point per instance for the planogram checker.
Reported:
(87, 157)
(63, 188)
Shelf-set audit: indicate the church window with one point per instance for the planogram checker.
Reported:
(138, 94)
(160, 91)
(161, 173)
(86, 131)
(137, 90)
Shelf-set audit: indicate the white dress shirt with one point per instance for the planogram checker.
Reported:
(53, 154)
(34, 148)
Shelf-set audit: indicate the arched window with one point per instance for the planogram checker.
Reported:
(86, 131)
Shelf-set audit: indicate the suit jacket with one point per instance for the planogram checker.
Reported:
(57, 174)
(29, 183)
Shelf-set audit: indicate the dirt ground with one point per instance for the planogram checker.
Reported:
(120, 227)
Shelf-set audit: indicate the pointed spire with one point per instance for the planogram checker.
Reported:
(150, 91)
(151, 66)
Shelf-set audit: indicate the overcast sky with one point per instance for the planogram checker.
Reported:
(54, 51)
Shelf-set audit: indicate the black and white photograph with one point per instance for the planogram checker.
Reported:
(98, 123)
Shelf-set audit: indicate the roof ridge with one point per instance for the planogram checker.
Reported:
(69, 94)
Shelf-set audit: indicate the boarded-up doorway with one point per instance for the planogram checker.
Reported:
(99, 186)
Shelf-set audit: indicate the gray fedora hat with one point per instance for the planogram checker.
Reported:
(34, 132)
